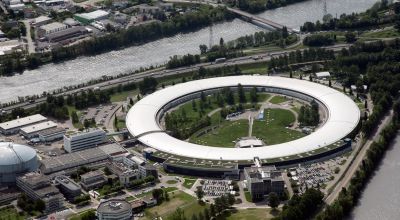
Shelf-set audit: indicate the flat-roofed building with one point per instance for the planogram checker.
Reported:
(37, 186)
(51, 28)
(132, 160)
(14, 126)
(124, 173)
(90, 17)
(84, 140)
(67, 34)
(148, 170)
(31, 131)
(114, 151)
(114, 209)
(93, 180)
(72, 160)
(263, 180)
(42, 20)
(51, 134)
(68, 187)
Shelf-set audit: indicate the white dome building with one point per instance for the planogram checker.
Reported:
(15, 160)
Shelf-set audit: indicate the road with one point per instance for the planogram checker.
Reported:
(344, 182)
(159, 73)
(31, 45)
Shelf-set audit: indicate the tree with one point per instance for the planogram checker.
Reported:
(350, 37)
(157, 194)
(241, 94)
(74, 117)
(148, 84)
(199, 193)
(273, 200)
(330, 83)
(254, 95)
(131, 101)
(203, 49)
(166, 196)
(107, 171)
(206, 214)
(285, 32)
(212, 210)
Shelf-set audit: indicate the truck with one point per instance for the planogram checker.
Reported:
(220, 60)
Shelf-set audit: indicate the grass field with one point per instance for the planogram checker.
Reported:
(189, 183)
(245, 214)
(278, 99)
(10, 214)
(180, 199)
(273, 129)
(225, 135)
(122, 96)
(387, 33)
(171, 181)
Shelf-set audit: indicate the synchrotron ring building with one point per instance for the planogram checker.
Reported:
(143, 119)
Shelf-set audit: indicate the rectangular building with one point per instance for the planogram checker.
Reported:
(51, 134)
(31, 131)
(13, 127)
(125, 174)
(51, 28)
(90, 17)
(36, 186)
(42, 20)
(68, 187)
(72, 160)
(148, 170)
(263, 180)
(93, 180)
(84, 140)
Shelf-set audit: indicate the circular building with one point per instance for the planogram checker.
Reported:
(114, 209)
(15, 160)
(342, 118)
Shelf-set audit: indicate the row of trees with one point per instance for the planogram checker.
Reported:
(260, 5)
(185, 60)
(298, 56)
(348, 198)
(318, 40)
(373, 17)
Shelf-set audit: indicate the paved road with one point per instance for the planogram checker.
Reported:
(344, 182)
(31, 45)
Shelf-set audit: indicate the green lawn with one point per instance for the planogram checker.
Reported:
(10, 214)
(171, 181)
(278, 99)
(273, 128)
(388, 33)
(255, 68)
(79, 113)
(189, 183)
(247, 195)
(179, 199)
(225, 135)
(122, 96)
(255, 213)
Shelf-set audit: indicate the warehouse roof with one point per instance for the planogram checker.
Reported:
(93, 15)
(52, 26)
(38, 127)
(22, 122)
(343, 117)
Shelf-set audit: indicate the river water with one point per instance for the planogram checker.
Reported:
(381, 198)
(54, 76)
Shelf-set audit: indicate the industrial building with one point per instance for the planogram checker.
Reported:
(83, 140)
(51, 134)
(36, 186)
(93, 180)
(15, 160)
(31, 131)
(66, 34)
(42, 20)
(124, 173)
(68, 187)
(114, 209)
(263, 180)
(13, 127)
(72, 160)
(87, 18)
(51, 28)
(115, 151)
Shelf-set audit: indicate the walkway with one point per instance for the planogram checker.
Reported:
(31, 45)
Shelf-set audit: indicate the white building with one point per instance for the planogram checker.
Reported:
(83, 140)
(51, 28)
(31, 131)
(321, 75)
(42, 20)
(12, 127)
(114, 209)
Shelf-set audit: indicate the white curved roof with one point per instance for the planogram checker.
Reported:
(11, 154)
(343, 117)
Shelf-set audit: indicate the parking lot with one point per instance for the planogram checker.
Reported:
(101, 114)
(214, 188)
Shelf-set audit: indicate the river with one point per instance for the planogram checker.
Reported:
(54, 76)
(381, 198)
